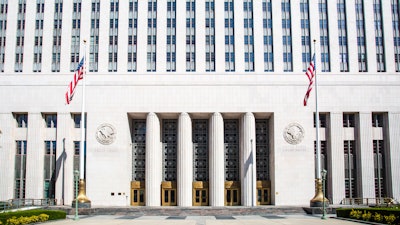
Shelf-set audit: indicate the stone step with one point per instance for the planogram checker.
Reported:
(185, 211)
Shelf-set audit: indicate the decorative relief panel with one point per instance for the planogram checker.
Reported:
(262, 150)
(200, 150)
(139, 150)
(169, 140)
(231, 140)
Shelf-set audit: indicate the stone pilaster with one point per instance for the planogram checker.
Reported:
(366, 156)
(217, 178)
(336, 160)
(7, 155)
(35, 157)
(153, 161)
(393, 127)
(185, 160)
(248, 160)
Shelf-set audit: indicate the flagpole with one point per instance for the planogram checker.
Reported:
(83, 201)
(319, 199)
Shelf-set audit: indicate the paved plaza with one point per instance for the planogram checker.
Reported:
(201, 220)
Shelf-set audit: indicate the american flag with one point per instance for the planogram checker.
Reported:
(78, 75)
(310, 74)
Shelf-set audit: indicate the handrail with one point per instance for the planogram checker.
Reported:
(368, 201)
(22, 202)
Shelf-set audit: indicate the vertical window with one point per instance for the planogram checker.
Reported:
(377, 119)
(210, 36)
(57, 31)
(348, 120)
(113, 33)
(248, 35)
(379, 43)
(305, 34)
(49, 169)
(350, 169)
(262, 150)
(132, 35)
(286, 36)
(342, 31)
(22, 120)
(139, 150)
(396, 33)
(322, 120)
(200, 150)
(190, 35)
(268, 38)
(76, 163)
(75, 35)
(169, 142)
(229, 36)
(151, 35)
(19, 47)
(37, 50)
(361, 44)
(324, 36)
(51, 120)
(379, 169)
(20, 169)
(94, 37)
(171, 35)
(231, 134)
(3, 29)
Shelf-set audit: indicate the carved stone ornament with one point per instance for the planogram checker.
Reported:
(293, 133)
(105, 134)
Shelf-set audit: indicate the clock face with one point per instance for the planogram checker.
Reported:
(105, 134)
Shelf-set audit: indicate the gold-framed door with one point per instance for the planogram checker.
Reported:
(263, 192)
(200, 193)
(232, 193)
(137, 193)
(168, 193)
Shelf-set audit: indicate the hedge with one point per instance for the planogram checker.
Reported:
(370, 214)
(53, 214)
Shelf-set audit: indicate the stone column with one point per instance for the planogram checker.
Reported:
(217, 171)
(153, 161)
(185, 160)
(247, 160)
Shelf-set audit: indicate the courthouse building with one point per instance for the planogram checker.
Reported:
(199, 102)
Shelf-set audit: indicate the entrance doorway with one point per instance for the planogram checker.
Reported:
(232, 193)
(137, 193)
(168, 193)
(200, 193)
(263, 192)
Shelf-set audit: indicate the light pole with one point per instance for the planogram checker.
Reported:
(323, 173)
(76, 178)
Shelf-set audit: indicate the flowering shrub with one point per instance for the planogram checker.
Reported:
(390, 219)
(366, 216)
(27, 220)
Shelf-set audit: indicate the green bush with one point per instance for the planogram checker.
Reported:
(52, 214)
(389, 215)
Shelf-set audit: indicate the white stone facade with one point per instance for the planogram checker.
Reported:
(118, 98)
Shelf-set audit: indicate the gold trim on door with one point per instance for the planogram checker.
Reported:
(200, 193)
(263, 192)
(232, 193)
(137, 193)
(168, 193)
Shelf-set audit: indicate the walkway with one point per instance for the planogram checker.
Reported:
(201, 220)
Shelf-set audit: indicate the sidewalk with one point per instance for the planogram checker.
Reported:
(201, 220)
